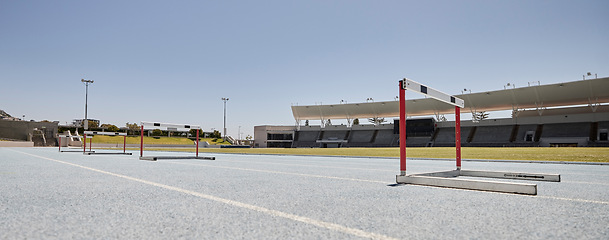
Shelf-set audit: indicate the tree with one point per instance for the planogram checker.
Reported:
(481, 115)
(356, 121)
(216, 134)
(193, 132)
(376, 120)
(248, 137)
(110, 127)
(93, 124)
(133, 127)
(157, 132)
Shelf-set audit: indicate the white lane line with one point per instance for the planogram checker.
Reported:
(574, 199)
(275, 213)
(594, 183)
(278, 172)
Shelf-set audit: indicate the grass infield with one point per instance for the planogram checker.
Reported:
(579, 154)
(153, 140)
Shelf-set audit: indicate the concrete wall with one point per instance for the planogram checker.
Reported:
(24, 131)
(16, 144)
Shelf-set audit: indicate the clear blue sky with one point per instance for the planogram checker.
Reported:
(172, 61)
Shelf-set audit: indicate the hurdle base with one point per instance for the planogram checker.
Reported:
(173, 158)
(512, 175)
(449, 179)
(77, 151)
(108, 153)
(469, 184)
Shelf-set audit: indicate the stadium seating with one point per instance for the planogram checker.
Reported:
(472, 135)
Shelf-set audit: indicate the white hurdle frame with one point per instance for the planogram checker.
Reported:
(172, 127)
(449, 179)
(93, 133)
(79, 137)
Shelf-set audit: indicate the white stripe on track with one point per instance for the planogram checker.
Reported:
(593, 183)
(275, 213)
(573, 199)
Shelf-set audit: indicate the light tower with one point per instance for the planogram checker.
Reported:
(225, 100)
(87, 83)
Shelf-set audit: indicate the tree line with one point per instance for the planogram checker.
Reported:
(135, 129)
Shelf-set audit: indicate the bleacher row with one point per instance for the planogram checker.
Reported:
(529, 135)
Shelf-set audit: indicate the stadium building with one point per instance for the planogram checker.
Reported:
(562, 114)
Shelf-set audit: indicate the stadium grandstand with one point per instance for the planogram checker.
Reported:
(562, 114)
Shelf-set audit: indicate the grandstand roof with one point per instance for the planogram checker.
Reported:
(592, 92)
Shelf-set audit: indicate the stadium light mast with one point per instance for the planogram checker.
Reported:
(224, 99)
(87, 83)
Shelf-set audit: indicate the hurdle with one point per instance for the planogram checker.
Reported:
(68, 136)
(92, 133)
(170, 127)
(448, 179)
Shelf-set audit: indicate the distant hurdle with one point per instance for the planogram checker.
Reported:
(449, 179)
(170, 127)
(92, 133)
(72, 136)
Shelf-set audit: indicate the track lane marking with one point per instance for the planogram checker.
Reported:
(573, 199)
(271, 212)
(579, 182)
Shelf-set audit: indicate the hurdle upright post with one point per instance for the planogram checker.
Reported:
(84, 145)
(125, 144)
(458, 136)
(402, 129)
(142, 141)
(59, 143)
(197, 142)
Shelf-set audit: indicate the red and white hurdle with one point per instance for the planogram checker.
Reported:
(171, 127)
(93, 133)
(449, 178)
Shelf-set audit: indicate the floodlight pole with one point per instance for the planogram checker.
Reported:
(87, 83)
(224, 99)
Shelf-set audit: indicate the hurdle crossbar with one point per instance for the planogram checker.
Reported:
(69, 136)
(170, 127)
(449, 179)
(92, 133)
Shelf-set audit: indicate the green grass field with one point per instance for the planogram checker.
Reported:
(153, 140)
(580, 154)
(535, 154)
